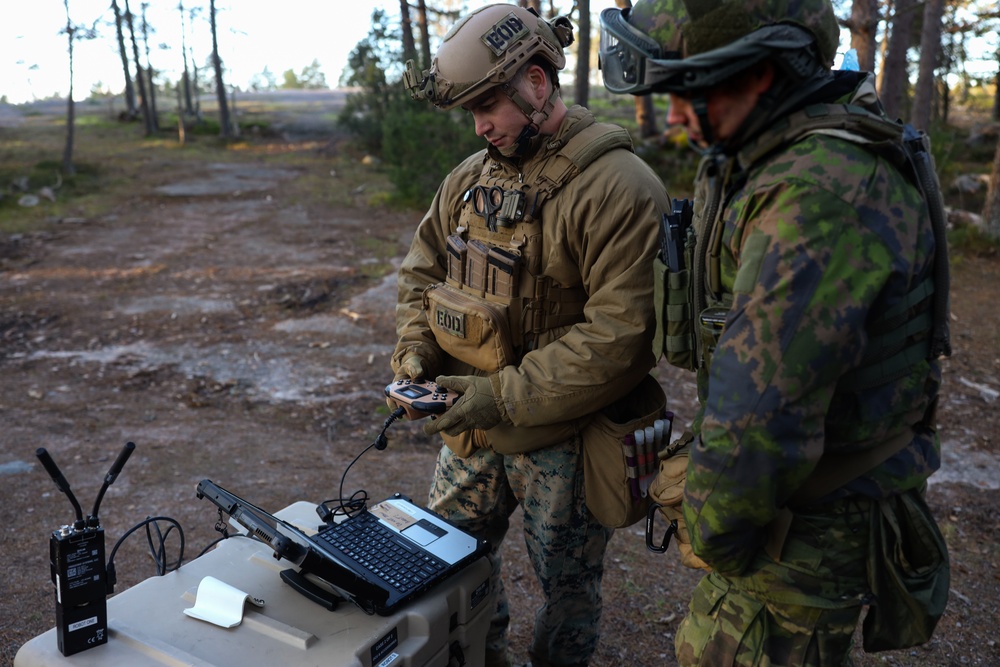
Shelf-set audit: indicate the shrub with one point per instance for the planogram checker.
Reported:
(421, 144)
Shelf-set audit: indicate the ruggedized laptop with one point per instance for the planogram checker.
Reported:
(379, 558)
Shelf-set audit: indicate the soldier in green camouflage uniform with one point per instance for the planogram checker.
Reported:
(579, 321)
(813, 260)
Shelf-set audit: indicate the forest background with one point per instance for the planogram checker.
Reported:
(930, 57)
(93, 193)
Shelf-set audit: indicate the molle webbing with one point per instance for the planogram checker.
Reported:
(898, 340)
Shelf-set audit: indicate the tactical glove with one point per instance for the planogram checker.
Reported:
(411, 368)
(476, 409)
(667, 490)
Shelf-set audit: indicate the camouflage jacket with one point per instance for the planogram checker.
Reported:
(817, 239)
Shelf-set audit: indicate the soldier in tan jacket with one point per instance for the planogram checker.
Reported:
(527, 289)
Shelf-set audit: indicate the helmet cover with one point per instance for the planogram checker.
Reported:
(681, 45)
(486, 49)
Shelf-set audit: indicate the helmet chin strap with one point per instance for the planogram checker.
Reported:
(699, 104)
(535, 116)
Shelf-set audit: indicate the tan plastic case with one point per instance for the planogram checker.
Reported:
(148, 625)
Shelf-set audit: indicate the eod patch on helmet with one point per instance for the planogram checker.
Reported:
(486, 49)
(504, 33)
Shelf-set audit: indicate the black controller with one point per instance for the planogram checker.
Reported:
(420, 398)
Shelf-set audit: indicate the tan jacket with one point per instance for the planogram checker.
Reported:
(600, 232)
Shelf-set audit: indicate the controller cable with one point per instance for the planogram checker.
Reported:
(359, 499)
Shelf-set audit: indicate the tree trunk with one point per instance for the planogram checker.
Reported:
(892, 88)
(582, 92)
(195, 73)
(130, 109)
(149, 72)
(864, 25)
(181, 130)
(996, 92)
(645, 116)
(991, 211)
(196, 91)
(425, 35)
(930, 48)
(225, 125)
(67, 160)
(143, 100)
(187, 109)
(406, 26)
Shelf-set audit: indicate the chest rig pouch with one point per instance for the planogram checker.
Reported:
(686, 326)
(496, 300)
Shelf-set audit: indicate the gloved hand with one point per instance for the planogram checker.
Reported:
(477, 408)
(667, 490)
(413, 367)
(410, 368)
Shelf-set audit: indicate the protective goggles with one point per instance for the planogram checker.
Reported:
(629, 60)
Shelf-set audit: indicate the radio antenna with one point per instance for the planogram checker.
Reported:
(112, 475)
(61, 483)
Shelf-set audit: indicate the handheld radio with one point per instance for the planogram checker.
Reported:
(78, 567)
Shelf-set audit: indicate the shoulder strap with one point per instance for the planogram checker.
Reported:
(848, 121)
(577, 154)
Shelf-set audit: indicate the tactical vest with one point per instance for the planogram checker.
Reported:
(496, 300)
(693, 315)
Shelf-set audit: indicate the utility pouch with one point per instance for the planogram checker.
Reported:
(475, 266)
(607, 488)
(470, 329)
(501, 273)
(457, 251)
(908, 572)
(673, 296)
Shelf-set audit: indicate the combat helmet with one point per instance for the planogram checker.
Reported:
(486, 49)
(686, 46)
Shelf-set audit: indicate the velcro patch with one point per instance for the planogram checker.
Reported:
(504, 32)
(450, 321)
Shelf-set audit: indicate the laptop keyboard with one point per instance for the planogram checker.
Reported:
(383, 553)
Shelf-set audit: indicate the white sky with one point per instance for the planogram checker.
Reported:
(253, 34)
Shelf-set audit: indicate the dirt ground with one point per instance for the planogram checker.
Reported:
(236, 330)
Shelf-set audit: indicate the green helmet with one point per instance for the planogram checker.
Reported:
(689, 45)
(486, 49)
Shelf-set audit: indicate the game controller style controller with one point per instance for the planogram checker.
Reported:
(420, 398)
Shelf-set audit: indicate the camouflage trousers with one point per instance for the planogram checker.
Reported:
(565, 543)
(801, 611)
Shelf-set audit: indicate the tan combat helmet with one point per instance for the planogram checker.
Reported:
(486, 49)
